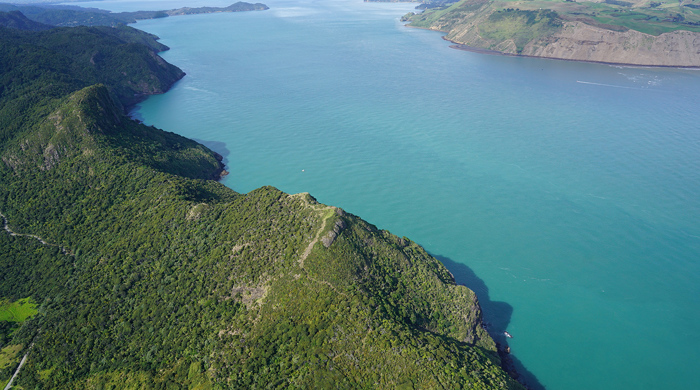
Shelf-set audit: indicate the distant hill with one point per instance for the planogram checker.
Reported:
(71, 16)
(663, 33)
(47, 65)
(140, 272)
(17, 20)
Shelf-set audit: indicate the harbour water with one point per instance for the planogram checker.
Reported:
(565, 194)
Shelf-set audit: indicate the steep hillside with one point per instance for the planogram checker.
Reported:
(16, 20)
(611, 32)
(40, 68)
(149, 275)
(582, 42)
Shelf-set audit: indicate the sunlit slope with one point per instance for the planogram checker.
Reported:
(149, 275)
(642, 33)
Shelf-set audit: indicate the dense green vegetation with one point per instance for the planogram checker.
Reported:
(17, 20)
(12, 315)
(153, 276)
(40, 68)
(71, 16)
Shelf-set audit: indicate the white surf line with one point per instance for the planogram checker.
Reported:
(596, 196)
(609, 85)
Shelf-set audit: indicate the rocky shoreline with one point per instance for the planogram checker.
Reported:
(479, 50)
(507, 363)
(480, 26)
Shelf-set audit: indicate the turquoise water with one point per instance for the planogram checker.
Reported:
(565, 194)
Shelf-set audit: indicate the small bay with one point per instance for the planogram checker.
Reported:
(565, 194)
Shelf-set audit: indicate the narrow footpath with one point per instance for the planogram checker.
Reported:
(41, 240)
(21, 363)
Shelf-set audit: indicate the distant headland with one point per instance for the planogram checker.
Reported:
(637, 32)
(71, 16)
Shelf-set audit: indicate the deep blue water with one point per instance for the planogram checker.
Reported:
(566, 194)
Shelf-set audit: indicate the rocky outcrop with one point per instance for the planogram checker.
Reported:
(328, 239)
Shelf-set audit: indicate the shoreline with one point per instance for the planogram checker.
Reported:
(473, 49)
(507, 363)
(479, 50)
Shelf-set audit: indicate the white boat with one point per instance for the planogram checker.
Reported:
(510, 336)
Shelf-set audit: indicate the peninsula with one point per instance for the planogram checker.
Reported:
(138, 271)
(635, 32)
(71, 16)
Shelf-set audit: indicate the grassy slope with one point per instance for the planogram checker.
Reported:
(429, 17)
(17, 311)
(665, 17)
(519, 26)
(173, 280)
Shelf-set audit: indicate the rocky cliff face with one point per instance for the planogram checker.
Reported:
(582, 42)
(478, 24)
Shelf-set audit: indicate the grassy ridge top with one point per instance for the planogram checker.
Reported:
(17, 311)
(150, 276)
(650, 17)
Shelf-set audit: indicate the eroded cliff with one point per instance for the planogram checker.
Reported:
(582, 42)
(562, 33)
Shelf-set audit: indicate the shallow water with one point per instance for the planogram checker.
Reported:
(565, 194)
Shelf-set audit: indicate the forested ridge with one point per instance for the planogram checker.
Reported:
(151, 275)
(71, 16)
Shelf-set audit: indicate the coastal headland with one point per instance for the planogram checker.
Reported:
(149, 274)
(72, 16)
(641, 33)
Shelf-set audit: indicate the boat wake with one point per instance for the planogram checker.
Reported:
(608, 85)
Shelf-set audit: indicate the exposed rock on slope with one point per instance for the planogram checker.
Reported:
(582, 42)
(544, 33)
